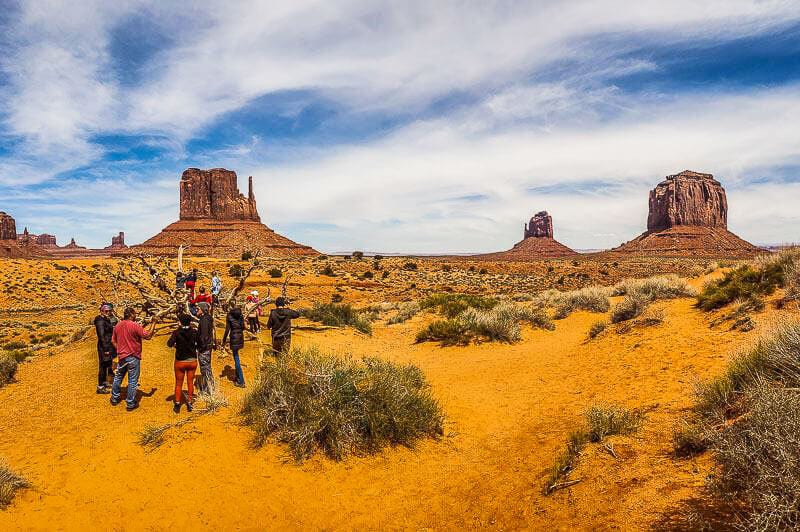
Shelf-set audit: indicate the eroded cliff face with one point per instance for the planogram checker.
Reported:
(8, 227)
(214, 195)
(688, 198)
(540, 226)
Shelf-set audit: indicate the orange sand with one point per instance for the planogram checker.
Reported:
(509, 409)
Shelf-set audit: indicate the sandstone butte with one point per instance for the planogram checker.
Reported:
(216, 220)
(537, 243)
(688, 217)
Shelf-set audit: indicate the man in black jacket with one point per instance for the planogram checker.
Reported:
(104, 327)
(280, 322)
(205, 344)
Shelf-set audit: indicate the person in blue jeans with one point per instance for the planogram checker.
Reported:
(127, 339)
(234, 328)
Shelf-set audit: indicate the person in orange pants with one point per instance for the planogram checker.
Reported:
(184, 340)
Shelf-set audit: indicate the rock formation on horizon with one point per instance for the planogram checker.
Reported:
(540, 226)
(8, 227)
(216, 219)
(688, 216)
(537, 243)
(214, 194)
(117, 242)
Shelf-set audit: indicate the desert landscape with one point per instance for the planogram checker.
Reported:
(564, 387)
(365, 265)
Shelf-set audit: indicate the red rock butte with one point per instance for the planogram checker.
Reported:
(688, 217)
(217, 220)
(537, 243)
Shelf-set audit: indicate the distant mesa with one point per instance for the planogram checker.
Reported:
(537, 243)
(117, 242)
(217, 220)
(8, 227)
(688, 216)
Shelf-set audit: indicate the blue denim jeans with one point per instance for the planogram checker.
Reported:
(239, 374)
(131, 366)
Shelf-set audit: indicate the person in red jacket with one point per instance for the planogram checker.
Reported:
(202, 297)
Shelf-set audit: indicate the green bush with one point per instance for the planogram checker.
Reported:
(236, 271)
(358, 255)
(338, 315)
(597, 328)
(499, 323)
(653, 288)
(449, 332)
(742, 283)
(313, 401)
(410, 266)
(247, 255)
(275, 273)
(451, 305)
(328, 270)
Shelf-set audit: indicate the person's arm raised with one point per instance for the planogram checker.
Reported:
(151, 331)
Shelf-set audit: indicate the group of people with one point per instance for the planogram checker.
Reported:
(193, 339)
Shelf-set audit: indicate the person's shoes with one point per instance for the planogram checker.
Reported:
(189, 407)
(177, 408)
(113, 402)
(103, 390)
(132, 408)
(239, 384)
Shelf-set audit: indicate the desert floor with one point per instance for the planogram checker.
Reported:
(509, 408)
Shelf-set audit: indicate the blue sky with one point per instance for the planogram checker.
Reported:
(407, 127)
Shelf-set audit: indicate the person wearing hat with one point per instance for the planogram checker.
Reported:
(280, 323)
(253, 312)
(104, 327)
(205, 344)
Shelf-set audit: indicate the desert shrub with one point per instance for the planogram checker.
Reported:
(742, 283)
(328, 270)
(499, 324)
(358, 255)
(313, 401)
(338, 315)
(378, 257)
(483, 271)
(535, 316)
(451, 305)
(653, 288)
(451, 331)
(11, 346)
(235, 270)
(10, 483)
(247, 255)
(630, 307)
(410, 266)
(275, 273)
(405, 312)
(608, 420)
(385, 274)
(337, 298)
(691, 437)
(772, 357)
(368, 275)
(8, 367)
(591, 298)
(596, 328)
(759, 460)
(601, 421)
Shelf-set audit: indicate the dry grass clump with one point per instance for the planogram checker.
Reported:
(405, 311)
(596, 328)
(10, 483)
(339, 315)
(591, 298)
(451, 305)
(152, 436)
(601, 421)
(632, 306)
(500, 323)
(314, 401)
(8, 367)
(654, 288)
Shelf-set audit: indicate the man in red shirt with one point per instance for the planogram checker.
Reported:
(127, 339)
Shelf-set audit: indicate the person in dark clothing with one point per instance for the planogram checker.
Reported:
(191, 281)
(280, 323)
(104, 327)
(184, 340)
(234, 326)
(205, 344)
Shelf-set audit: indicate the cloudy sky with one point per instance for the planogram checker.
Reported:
(407, 126)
